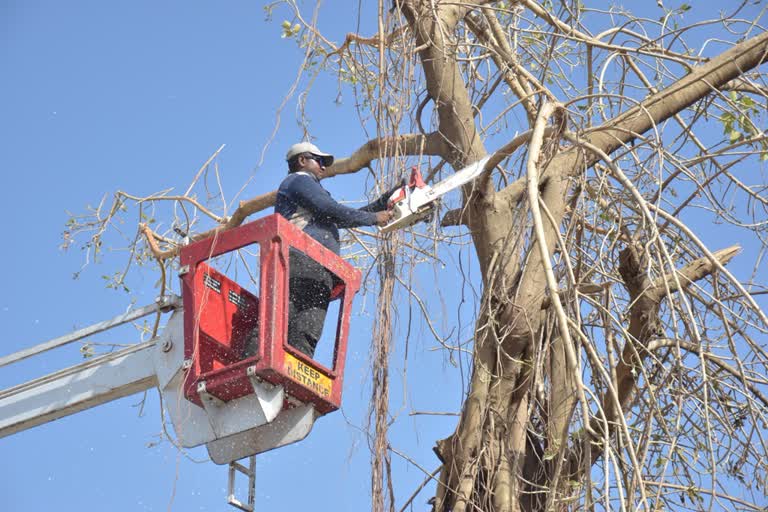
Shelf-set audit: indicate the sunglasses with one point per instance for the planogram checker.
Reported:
(319, 159)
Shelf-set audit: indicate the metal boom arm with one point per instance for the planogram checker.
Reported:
(88, 384)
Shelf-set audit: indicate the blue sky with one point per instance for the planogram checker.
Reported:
(135, 96)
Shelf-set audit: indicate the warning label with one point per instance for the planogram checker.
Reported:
(307, 376)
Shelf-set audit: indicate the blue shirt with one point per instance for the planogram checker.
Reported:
(302, 200)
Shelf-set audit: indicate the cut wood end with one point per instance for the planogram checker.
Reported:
(727, 254)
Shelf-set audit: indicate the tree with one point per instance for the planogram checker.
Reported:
(616, 360)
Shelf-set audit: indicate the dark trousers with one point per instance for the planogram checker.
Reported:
(309, 292)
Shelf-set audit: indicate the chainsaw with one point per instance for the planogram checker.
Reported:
(415, 200)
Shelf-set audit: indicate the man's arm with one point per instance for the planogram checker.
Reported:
(381, 203)
(308, 193)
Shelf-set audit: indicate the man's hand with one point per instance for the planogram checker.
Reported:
(383, 218)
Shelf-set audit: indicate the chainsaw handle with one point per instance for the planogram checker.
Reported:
(416, 181)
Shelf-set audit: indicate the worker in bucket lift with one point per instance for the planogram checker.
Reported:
(305, 203)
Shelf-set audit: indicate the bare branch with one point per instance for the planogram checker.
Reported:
(693, 271)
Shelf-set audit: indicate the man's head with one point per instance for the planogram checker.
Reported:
(307, 157)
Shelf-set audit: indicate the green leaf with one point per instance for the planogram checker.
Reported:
(734, 135)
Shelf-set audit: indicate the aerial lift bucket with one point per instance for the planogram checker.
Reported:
(247, 402)
(236, 401)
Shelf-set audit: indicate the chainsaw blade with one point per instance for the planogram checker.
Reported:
(459, 178)
(414, 203)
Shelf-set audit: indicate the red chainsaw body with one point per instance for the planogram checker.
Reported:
(415, 181)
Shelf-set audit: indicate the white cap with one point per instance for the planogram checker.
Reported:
(308, 147)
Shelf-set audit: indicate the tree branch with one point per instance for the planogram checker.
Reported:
(692, 272)
(645, 300)
(456, 217)
(408, 144)
(695, 349)
(625, 127)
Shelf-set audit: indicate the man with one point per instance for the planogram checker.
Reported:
(305, 203)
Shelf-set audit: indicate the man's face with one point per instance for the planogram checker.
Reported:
(313, 164)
